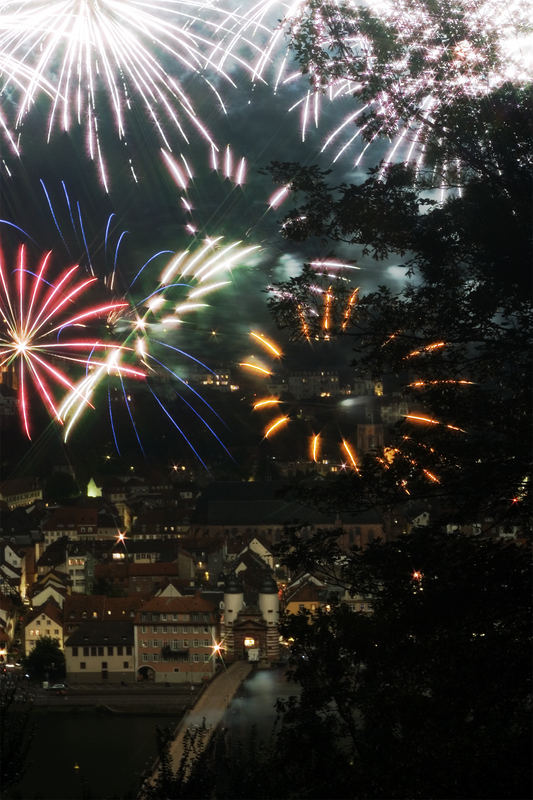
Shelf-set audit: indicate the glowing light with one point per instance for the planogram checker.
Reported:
(432, 477)
(351, 454)
(255, 367)
(118, 55)
(429, 348)
(315, 447)
(36, 332)
(428, 69)
(267, 403)
(430, 421)
(275, 426)
(278, 197)
(268, 344)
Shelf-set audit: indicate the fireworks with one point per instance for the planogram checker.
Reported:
(149, 325)
(273, 403)
(343, 47)
(322, 301)
(92, 56)
(39, 332)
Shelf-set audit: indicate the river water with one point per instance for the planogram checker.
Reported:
(83, 754)
(87, 754)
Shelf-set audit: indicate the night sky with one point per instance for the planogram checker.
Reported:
(257, 126)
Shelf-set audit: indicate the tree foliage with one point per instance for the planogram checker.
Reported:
(46, 661)
(458, 334)
(431, 692)
(407, 64)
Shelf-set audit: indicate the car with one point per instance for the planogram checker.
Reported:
(58, 688)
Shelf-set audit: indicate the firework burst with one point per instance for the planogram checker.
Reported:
(39, 337)
(149, 323)
(283, 410)
(345, 49)
(152, 327)
(91, 56)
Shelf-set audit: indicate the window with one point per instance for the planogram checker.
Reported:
(196, 657)
(146, 657)
(126, 664)
(74, 651)
(85, 651)
(119, 650)
(93, 650)
(156, 643)
(100, 651)
(164, 629)
(110, 650)
(128, 650)
(175, 628)
(38, 622)
(82, 665)
(195, 643)
(185, 643)
(154, 628)
(104, 664)
(56, 631)
(143, 628)
(206, 642)
(206, 656)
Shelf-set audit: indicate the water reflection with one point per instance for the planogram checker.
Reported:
(254, 708)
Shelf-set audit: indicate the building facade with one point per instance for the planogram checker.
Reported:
(175, 639)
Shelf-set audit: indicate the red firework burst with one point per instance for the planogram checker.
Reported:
(40, 320)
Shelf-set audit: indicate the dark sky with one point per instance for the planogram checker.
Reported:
(259, 127)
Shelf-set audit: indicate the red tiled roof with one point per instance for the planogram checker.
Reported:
(71, 516)
(50, 608)
(113, 608)
(18, 486)
(179, 604)
(131, 570)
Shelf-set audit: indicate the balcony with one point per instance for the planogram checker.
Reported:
(168, 654)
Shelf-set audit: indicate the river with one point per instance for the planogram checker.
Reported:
(82, 753)
(77, 755)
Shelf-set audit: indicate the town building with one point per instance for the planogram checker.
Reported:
(101, 650)
(304, 385)
(20, 492)
(249, 624)
(175, 638)
(81, 608)
(44, 621)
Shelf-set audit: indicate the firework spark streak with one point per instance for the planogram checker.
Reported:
(143, 324)
(491, 44)
(36, 334)
(81, 51)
